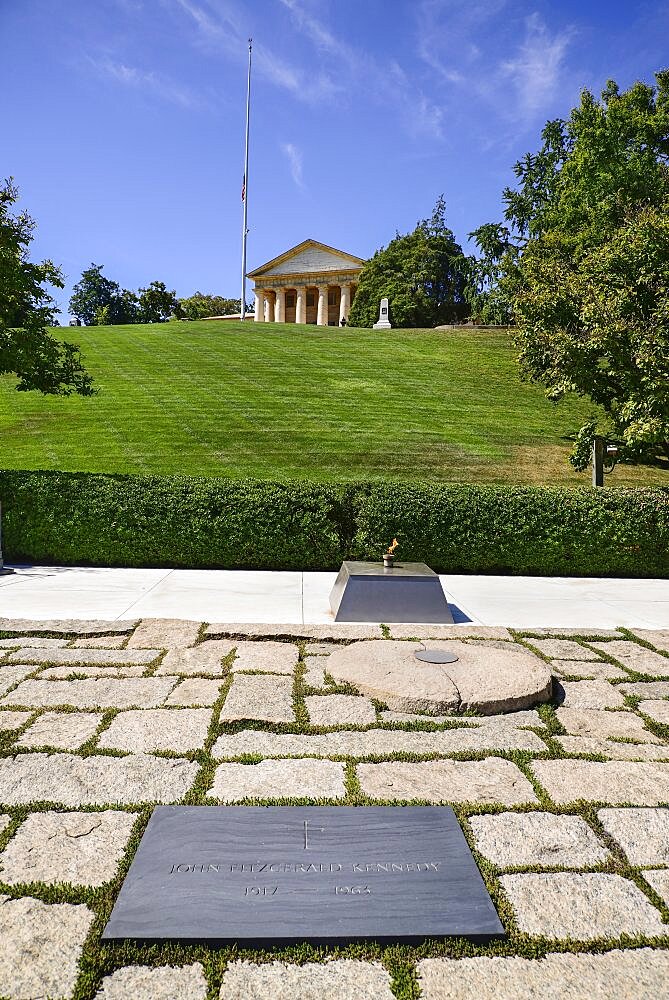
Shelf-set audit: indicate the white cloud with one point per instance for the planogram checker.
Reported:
(536, 70)
(359, 71)
(473, 49)
(295, 161)
(144, 80)
(224, 28)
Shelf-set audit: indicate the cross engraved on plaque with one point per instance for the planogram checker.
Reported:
(316, 829)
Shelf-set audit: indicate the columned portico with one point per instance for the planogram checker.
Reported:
(311, 283)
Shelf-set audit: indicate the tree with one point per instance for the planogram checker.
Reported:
(156, 303)
(420, 274)
(92, 294)
(199, 305)
(483, 293)
(27, 350)
(588, 276)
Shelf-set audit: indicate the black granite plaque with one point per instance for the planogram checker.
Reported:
(283, 874)
(369, 592)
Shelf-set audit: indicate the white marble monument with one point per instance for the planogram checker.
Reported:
(383, 322)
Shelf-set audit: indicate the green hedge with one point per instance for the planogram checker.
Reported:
(74, 518)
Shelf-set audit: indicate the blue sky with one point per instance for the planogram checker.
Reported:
(123, 120)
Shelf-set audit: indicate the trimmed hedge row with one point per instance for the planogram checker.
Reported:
(109, 520)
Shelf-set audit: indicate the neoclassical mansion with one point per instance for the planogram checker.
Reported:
(310, 283)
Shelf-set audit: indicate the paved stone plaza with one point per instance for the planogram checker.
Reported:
(565, 803)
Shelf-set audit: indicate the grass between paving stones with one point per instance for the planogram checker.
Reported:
(400, 960)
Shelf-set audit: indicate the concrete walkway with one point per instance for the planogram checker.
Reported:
(44, 592)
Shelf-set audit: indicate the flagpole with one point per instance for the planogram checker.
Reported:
(245, 188)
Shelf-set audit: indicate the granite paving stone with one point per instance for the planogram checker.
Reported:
(195, 691)
(573, 633)
(636, 657)
(96, 780)
(69, 626)
(28, 642)
(607, 725)
(563, 649)
(647, 689)
(659, 880)
(509, 719)
(410, 631)
(591, 694)
(318, 648)
(639, 974)
(103, 692)
(267, 657)
(617, 782)
(658, 711)
(373, 743)
(164, 633)
(642, 833)
(314, 674)
(64, 730)
(146, 730)
(487, 680)
(264, 697)
(90, 657)
(656, 637)
(77, 847)
(612, 749)
(279, 779)
(40, 947)
(100, 642)
(537, 839)
(342, 979)
(581, 907)
(339, 709)
(13, 720)
(64, 673)
(491, 781)
(588, 670)
(11, 675)
(141, 982)
(203, 659)
(336, 632)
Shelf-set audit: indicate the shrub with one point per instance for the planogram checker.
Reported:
(523, 530)
(73, 518)
(108, 520)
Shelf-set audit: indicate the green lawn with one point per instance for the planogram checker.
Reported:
(222, 399)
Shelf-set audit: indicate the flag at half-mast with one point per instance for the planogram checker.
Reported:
(243, 187)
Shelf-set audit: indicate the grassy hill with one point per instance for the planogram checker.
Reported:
(274, 401)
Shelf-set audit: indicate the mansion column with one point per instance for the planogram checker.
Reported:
(300, 305)
(260, 307)
(269, 307)
(344, 303)
(280, 306)
(322, 315)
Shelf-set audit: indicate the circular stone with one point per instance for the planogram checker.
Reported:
(485, 679)
(436, 656)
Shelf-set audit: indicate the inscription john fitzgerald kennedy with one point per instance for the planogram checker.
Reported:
(306, 868)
